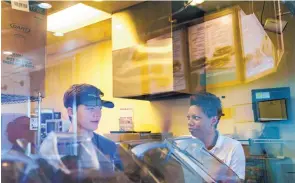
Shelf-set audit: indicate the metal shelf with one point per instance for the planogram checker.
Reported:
(270, 141)
(15, 99)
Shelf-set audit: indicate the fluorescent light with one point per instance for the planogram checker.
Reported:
(75, 17)
(45, 5)
(7, 53)
(196, 2)
(58, 34)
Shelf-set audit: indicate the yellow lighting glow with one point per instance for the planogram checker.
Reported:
(75, 17)
(158, 49)
(58, 34)
(119, 26)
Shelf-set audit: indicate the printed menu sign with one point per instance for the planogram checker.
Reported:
(126, 119)
(258, 48)
(179, 80)
(211, 50)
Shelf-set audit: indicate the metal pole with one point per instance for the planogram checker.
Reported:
(74, 107)
(39, 121)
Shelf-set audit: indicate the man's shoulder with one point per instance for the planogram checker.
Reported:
(103, 140)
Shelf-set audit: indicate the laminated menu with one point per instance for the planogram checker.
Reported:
(259, 52)
(212, 51)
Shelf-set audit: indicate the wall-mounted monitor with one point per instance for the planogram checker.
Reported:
(271, 104)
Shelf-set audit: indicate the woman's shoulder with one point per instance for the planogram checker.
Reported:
(230, 141)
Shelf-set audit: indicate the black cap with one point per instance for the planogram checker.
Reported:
(85, 94)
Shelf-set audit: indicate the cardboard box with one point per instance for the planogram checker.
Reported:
(23, 48)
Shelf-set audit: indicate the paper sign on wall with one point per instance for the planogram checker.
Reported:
(126, 119)
(33, 123)
(22, 5)
(243, 113)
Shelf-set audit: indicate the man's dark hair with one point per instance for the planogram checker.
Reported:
(209, 103)
(73, 96)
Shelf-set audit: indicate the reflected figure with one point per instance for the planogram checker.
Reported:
(20, 135)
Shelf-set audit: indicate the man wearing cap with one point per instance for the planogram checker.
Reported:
(83, 103)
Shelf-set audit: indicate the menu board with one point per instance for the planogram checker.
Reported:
(258, 48)
(179, 61)
(211, 51)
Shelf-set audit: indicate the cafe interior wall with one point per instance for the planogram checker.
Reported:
(173, 112)
(283, 77)
(242, 125)
(93, 65)
(152, 115)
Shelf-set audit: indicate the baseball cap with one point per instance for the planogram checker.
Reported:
(85, 94)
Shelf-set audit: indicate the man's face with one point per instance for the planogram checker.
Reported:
(199, 124)
(88, 117)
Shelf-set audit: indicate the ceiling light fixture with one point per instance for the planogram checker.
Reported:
(58, 34)
(45, 5)
(75, 17)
